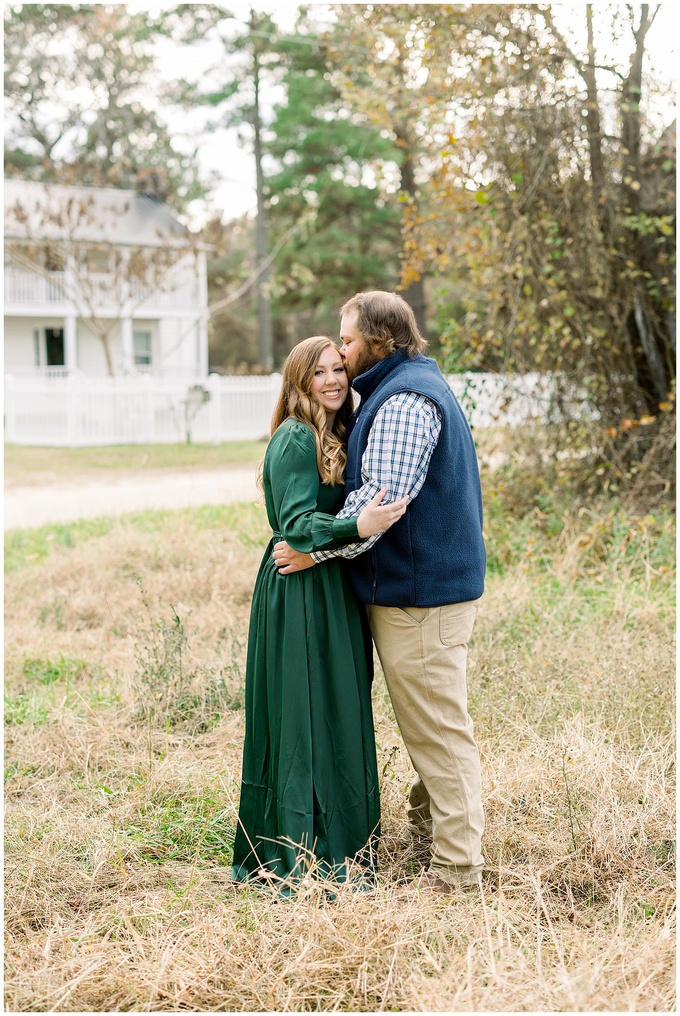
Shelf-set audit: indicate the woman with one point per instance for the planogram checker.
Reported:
(309, 795)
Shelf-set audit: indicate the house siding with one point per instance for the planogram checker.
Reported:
(91, 358)
(175, 312)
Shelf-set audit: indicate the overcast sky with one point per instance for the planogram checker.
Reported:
(220, 154)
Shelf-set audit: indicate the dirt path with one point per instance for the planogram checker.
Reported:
(82, 497)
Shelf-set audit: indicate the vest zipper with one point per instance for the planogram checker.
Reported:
(374, 570)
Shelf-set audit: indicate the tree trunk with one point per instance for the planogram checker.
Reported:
(415, 294)
(597, 171)
(630, 118)
(264, 325)
(647, 325)
(104, 338)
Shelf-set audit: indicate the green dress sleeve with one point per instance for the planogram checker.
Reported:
(291, 480)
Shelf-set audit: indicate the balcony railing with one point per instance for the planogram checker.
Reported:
(27, 287)
(93, 291)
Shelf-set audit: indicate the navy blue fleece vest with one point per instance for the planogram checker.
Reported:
(435, 554)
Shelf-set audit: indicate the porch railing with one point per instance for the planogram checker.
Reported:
(95, 291)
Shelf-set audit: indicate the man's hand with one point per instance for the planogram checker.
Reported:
(288, 560)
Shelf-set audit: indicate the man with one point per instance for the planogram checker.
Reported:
(422, 579)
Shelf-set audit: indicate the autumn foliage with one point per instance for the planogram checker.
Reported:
(547, 202)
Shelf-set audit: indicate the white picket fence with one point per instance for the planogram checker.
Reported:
(75, 411)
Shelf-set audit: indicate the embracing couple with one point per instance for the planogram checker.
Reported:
(377, 532)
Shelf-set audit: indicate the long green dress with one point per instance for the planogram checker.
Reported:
(309, 792)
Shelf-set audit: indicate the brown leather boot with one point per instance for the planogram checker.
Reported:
(429, 882)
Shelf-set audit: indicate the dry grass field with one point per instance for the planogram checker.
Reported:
(125, 644)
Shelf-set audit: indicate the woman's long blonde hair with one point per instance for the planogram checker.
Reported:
(296, 400)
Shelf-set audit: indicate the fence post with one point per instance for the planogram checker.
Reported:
(149, 398)
(71, 411)
(214, 383)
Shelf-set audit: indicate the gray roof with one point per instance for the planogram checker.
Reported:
(46, 211)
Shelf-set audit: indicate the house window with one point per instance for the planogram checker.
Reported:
(54, 259)
(97, 260)
(54, 347)
(141, 344)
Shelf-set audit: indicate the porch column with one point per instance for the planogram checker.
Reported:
(202, 336)
(126, 341)
(71, 342)
(71, 316)
(202, 330)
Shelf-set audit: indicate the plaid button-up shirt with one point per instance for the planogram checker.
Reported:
(401, 440)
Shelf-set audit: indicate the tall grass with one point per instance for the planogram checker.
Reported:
(124, 676)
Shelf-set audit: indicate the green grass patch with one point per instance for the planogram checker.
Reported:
(27, 547)
(22, 462)
(31, 707)
(46, 671)
(577, 617)
(39, 685)
(183, 829)
(37, 705)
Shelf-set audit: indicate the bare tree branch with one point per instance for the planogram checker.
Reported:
(254, 276)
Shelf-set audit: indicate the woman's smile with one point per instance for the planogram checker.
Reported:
(330, 384)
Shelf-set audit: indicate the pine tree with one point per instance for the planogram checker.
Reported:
(238, 98)
(329, 162)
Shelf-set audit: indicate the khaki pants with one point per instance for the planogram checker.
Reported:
(423, 652)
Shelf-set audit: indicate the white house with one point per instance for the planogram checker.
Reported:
(106, 315)
(101, 282)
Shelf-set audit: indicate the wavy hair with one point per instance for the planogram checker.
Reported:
(296, 400)
(387, 320)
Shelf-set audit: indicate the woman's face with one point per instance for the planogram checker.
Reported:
(330, 384)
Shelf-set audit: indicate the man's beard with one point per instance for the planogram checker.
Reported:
(365, 360)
